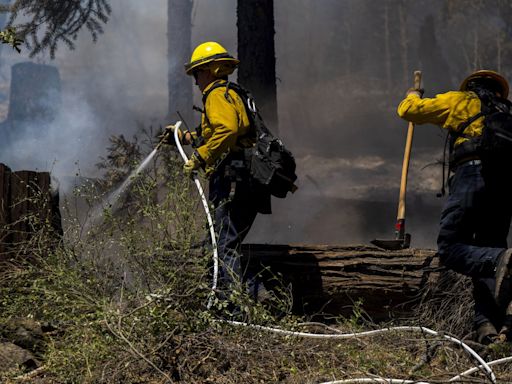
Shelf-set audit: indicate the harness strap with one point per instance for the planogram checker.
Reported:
(449, 144)
(247, 101)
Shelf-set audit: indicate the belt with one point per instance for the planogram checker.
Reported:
(469, 162)
(471, 159)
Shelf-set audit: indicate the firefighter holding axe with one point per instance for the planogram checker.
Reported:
(476, 216)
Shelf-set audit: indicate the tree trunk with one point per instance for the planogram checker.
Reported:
(256, 52)
(387, 50)
(404, 43)
(333, 278)
(179, 29)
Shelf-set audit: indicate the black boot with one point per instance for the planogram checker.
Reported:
(503, 271)
(486, 333)
(505, 334)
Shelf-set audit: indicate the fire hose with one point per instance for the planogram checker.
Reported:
(485, 367)
(208, 215)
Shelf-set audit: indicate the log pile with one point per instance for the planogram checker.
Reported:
(26, 204)
(331, 279)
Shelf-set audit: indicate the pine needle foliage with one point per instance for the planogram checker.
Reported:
(9, 36)
(51, 22)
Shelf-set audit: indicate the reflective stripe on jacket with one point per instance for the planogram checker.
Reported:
(222, 123)
(447, 110)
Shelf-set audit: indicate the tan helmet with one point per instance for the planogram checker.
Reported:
(497, 79)
(212, 56)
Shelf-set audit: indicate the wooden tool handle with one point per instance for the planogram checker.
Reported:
(417, 79)
(407, 156)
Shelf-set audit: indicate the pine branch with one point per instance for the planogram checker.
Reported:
(51, 22)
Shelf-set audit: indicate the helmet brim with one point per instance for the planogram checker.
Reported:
(221, 58)
(485, 74)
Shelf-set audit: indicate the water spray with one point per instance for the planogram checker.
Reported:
(110, 202)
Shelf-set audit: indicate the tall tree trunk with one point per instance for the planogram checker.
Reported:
(499, 50)
(179, 30)
(387, 49)
(256, 52)
(404, 43)
(432, 65)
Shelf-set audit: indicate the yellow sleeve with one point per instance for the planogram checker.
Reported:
(223, 122)
(428, 110)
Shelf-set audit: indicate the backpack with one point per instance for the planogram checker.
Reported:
(496, 140)
(271, 165)
(494, 145)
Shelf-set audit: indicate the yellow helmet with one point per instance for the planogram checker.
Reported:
(213, 56)
(496, 78)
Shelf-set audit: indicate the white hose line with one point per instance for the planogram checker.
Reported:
(375, 381)
(475, 369)
(208, 215)
(464, 346)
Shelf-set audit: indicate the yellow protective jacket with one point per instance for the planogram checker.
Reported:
(448, 110)
(223, 122)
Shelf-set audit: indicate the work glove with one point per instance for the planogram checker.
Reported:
(167, 137)
(193, 164)
(416, 91)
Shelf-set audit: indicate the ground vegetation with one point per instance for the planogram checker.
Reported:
(124, 301)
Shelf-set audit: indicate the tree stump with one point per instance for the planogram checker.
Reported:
(27, 205)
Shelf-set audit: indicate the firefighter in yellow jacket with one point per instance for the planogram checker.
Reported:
(219, 143)
(476, 216)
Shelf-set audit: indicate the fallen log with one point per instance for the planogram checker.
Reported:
(332, 279)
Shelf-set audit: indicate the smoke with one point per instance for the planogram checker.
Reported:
(107, 88)
(57, 146)
(342, 69)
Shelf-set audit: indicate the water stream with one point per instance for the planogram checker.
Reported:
(111, 202)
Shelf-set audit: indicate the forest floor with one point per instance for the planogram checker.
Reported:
(124, 301)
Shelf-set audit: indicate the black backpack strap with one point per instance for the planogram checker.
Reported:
(467, 148)
(249, 104)
(449, 146)
(205, 96)
(214, 86)
(462, 126)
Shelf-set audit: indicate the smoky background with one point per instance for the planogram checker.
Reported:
(342, 68)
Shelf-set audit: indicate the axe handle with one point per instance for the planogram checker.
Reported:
(405, 168)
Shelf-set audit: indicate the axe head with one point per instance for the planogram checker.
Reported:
(393, 245)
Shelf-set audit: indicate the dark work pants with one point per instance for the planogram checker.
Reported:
(473, 233)
(235, 211)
